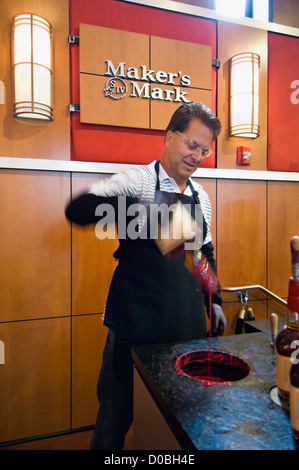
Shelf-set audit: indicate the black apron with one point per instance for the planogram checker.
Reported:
(152, 298)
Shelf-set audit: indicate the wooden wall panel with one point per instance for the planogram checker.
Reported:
(34, 251)
(139, 101)
(179, 57)
(96, 108)
(88, 340)
(209, 185)
(92, 261)
(241, 245)
(233, 309)
(97, 43)
(283, 216)
(241, 232)
(31, 138)
(234, 39)
(35, 379)
(161, 111)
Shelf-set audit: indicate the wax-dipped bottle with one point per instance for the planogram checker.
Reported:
(294, 372)
(284, 341)
(294, 395)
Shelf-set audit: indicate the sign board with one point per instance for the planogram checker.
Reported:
(135, 80)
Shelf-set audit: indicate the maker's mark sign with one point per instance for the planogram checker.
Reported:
(133, 80)
(116, 87)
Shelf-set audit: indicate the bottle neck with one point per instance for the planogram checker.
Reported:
(293, 295)
(295, 272)
(293, 320)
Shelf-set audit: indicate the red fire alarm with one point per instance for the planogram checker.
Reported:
(243, 155)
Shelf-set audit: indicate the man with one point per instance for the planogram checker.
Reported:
(154, 296)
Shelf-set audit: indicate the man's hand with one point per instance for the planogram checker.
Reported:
(218, 320)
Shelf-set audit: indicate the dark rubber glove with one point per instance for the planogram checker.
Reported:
(218, 320)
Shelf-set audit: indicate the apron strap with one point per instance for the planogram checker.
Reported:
(194, 193)
(157, 173)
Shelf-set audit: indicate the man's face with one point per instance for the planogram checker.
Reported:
(183, 151)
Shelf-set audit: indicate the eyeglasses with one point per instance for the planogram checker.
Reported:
(194, 147)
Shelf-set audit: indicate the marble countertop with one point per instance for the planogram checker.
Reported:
(241, 415)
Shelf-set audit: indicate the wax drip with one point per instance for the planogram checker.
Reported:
(203, 270)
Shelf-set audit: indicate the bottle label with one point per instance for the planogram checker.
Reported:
(283, 366)
(294, 404)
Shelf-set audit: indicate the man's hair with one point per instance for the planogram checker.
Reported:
(182, 116)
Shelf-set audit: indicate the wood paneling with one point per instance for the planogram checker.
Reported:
(97, 108)
(241, 232)
(35, 379)
(98, 43)
(209, 185)
(92, 261)
(161, 111)
(33, 138)
(234, 39)
(178, 57)
(73, 441)
(232, 310)
(151, 76)
(88, 340)
(283, 215)
(92, 269)
(34, 251)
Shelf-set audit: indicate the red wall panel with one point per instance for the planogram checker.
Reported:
(124, 145)
(283, 103)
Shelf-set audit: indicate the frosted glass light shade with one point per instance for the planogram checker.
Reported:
(32, 67)
(244, 95)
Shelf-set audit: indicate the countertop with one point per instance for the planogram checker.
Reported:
(241, 415)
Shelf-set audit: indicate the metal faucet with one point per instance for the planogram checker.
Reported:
(245, 310)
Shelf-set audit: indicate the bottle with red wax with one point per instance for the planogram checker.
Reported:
(294, 395)
(284, 344)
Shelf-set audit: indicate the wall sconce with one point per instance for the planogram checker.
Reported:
(244, 95)
(32, 67)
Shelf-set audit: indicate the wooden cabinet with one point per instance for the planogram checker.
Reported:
(92, 260)
(283, 224)
(241, 232)
(35, 379)
(88, 340)
(92, 269)
(34, 251)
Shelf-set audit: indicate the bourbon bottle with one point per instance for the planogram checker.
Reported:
(284, 341)
(294, 396)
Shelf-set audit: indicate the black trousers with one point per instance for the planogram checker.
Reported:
(115, 394)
